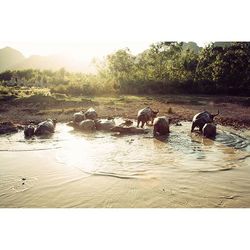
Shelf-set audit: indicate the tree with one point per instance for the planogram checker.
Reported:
(225, 69)
(120, 66)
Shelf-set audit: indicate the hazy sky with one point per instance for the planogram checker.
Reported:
(94, 28)
(83, 50)
(80, 51)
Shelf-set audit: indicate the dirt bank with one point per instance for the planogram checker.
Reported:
(234, 111)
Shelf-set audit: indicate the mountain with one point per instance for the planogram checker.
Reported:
(9, 57)
(52, 62)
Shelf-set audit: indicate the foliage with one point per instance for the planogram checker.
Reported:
(165, 67)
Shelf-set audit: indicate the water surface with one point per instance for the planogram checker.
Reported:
(75, 169)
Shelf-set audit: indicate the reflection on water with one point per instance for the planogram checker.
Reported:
(75, 169)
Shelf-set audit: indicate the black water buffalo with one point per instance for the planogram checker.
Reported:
(46, 127)
(209, 130)
(29, 130)
(145, 115)
(87, 125)
(104, 124)
(78, 117)
(200, 119)
(161, 126)
(81, 116)
(90, 114)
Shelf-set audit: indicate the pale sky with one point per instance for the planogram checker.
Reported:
(80, 51)
(83, 50)
(95, 28)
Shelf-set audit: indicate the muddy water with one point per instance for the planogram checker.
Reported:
(73, 169)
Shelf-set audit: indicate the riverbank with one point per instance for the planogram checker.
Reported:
(234, 111)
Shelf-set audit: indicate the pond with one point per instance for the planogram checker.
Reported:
(102, 169)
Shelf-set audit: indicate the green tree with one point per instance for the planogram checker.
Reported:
(120, 66)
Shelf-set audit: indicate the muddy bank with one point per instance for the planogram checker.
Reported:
(233, 111)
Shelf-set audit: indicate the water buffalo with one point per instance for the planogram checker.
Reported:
(200, 119)
(29, 130)
(104, 124)
(78, 117)
(161, 126)
(90, 114)
(46, 127)
(145, 115)
(81, 116)
(209, 130)
(87, 125)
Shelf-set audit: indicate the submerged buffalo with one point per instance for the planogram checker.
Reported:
(78, 117)
(145, 115)
(81, 116)
(161, 126)
(90, 114)
(87, 125)
(209, 130)
(29, 130)
(200, 119)
(46, 127)
(104, 124)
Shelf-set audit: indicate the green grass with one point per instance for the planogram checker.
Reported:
(35, 94)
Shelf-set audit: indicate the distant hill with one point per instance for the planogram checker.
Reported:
(9, 57)
(52, 62)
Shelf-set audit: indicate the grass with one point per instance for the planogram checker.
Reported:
(37, 95)
(25, 91)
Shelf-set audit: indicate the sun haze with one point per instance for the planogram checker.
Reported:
(85, 29)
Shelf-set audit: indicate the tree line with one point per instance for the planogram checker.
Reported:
(164, 68)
